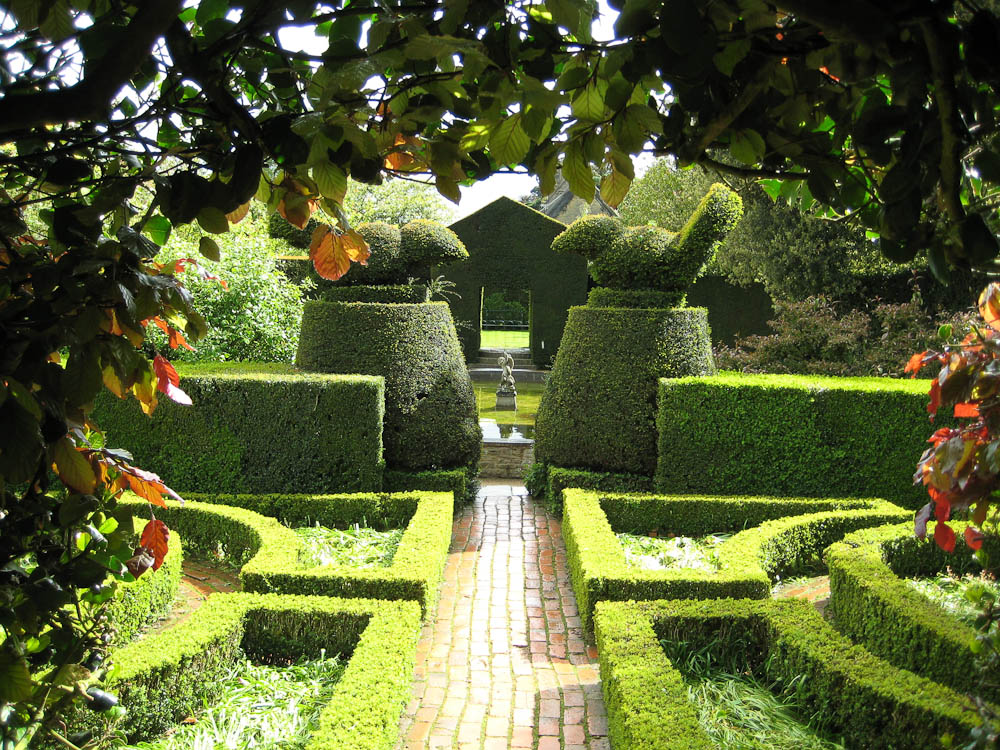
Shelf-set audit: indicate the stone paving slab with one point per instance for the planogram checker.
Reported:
(504, 663)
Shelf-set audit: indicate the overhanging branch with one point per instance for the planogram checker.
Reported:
(90, 98)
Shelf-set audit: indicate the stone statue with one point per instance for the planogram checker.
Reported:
(506, 393)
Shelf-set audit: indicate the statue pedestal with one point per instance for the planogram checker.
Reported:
(506, 400)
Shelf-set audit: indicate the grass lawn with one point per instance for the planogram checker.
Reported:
(504, 339)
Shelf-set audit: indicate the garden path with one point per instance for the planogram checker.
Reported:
(504, 663)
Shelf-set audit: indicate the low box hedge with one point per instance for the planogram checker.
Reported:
(868, 701)
(786, 533)
(455, 481)
(790, 434)
(257, 428)
(548, 482)
(165, 677)
(246, 528)
(874, 606)
(148, 597)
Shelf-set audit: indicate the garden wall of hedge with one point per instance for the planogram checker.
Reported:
(853, 693)
(430, 408)
(256, 428)
(780, 536)
(598, 411)
(509, 249)
(790, 434)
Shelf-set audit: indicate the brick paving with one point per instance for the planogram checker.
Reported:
(504, 663)
(815, 590)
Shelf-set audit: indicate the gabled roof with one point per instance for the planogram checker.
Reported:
(503, 204)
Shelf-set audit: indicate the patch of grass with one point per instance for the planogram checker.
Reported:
(504, 339)
(257, 706)
(528, 396)
(356, 547)
(736, 709)
(660, 553)
(955, 594)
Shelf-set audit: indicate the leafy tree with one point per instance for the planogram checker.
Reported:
(395, 201)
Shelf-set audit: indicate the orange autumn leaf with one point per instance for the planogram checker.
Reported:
(989, 305)
(915, 363)
(155, 538)
(332, 252)
(239, 213)
(401, 157)
(167, 381)
(966, 411)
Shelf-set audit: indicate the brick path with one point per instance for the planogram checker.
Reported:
(504, 663)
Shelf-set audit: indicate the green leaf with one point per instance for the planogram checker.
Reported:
(589, 103)
(747, 146)
(681, 25)
(209, 10)
(448, 188)
(577, 172)
(628, 131)
(209, 248)
(158, 229)
(58, 22)
(331, 180)
(24, 398)
(571, 14)
(509, 143)
(614, 188)
(213, 220)
(15, 679)
(730, 55)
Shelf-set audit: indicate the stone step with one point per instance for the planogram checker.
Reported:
(481, 374)
(492, 362)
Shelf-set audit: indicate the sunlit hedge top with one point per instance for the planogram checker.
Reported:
(651, 258)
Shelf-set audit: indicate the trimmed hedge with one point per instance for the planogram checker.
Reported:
(509, 249)
(874, 606)
(648, 257)
(148, 597)
(871, 703)
(405, 293)
(431, 420)
(598, 410)
(548, 482)
(786, 533)
(602, 296)
(257, 429)
(455, 481)
(165, 677)
(268, 553)
(780, 434)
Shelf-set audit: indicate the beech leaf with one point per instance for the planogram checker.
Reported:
(155, 538)
(73, 469)
(944, 536)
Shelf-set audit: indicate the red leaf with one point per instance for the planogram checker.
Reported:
(154, 538)
(167, 380)
(989, 305)
(973, 537)
(944, 536)
(140, 562)
(966, 410)
(935, 396)
(920, 521)
(915, 363)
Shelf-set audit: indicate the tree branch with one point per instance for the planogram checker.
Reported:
(846, 20)
(90, 98)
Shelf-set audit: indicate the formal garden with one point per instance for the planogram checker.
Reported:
(254, 375)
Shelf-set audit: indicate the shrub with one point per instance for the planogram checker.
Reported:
(599, 405)
(255, 318)
(431, 420)
(648, 257)
(165, 677)
(872, 605)
(403, 293)
(783, 434)
(245, 528)
(786, 534)
(548, 482)
(871, 703)
(257, 429)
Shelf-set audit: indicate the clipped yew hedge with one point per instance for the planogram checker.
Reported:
(431, 420)
(874, 606)
(781, 534)
(598, 410)
(789, 434)
(148, 597)
(257, 428)
(871, 703)
(167, 676)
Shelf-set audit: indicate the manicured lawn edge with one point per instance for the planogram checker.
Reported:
(749, 561)
(874, 606)
(162, 678)
(269, 552)
(869, 701)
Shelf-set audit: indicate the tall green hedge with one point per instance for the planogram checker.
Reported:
(431, 420)
(508, 245)
(781, 434)
(598, 410)
(257, 429)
